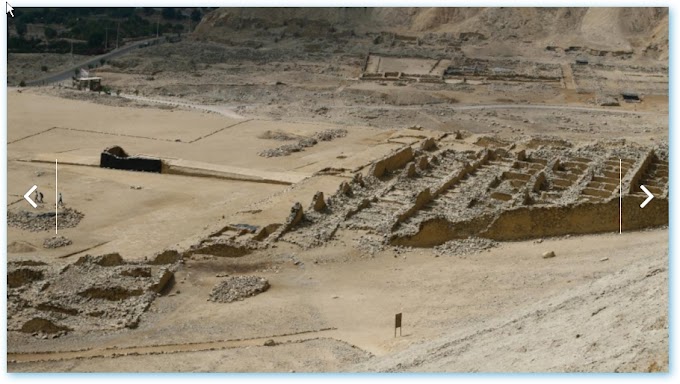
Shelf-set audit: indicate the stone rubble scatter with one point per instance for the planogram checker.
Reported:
(237, 288)
(43, 221)
(287, 149)
(464, 247)
(56, 242)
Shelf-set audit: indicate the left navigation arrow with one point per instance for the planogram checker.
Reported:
(27, 196)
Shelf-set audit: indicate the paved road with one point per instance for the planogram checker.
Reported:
(68, 73)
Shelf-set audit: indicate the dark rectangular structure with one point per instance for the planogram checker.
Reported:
(116, 158)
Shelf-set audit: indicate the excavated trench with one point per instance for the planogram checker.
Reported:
(93, 293)
(110, 293)
(23, 276)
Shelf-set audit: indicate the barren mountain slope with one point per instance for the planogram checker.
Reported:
(614, 324)
(597, 28)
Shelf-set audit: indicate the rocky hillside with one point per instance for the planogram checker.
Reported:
(644, 30)
(616, 323)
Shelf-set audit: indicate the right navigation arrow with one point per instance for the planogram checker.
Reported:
(649, 196)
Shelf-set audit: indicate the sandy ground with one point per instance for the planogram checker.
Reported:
(207, 107)
(76, 142)
(506, 297)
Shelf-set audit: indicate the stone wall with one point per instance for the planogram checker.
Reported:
(392, 162)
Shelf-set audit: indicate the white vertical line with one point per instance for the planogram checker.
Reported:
(56, 196)
(620, 200)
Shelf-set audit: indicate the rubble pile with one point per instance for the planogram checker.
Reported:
(43, 221)
(287, 149)
(238, 288)
(330, 134)
(464, 247)
(300, 145)
(370, 245)
(56, 242)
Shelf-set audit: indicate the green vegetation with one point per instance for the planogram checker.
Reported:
(169, 13)
(93, 31)
(50, 33)
(177, 28)
(196, 15)
(21, 28)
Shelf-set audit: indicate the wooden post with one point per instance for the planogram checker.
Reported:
(397, 324)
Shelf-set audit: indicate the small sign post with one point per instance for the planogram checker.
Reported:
(397, 324)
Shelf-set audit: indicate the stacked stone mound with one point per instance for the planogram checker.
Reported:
(43, 221)
(56, 242)
(238, 288)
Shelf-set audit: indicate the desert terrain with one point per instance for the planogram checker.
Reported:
(317, 171)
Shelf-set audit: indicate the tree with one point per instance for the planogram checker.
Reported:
(22, 28)
(196, 15)
(178, 28)
(169, 13)
(165, 28)
(121, 12)
(50, 33)
(96, 40)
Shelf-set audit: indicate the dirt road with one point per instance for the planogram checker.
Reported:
(163, 348)
(503, 106)
(67, 73)
(220, 109)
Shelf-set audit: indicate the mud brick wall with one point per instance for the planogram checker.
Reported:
(392, 162)
(531, 222)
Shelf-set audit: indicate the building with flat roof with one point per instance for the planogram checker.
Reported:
(93, 83)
